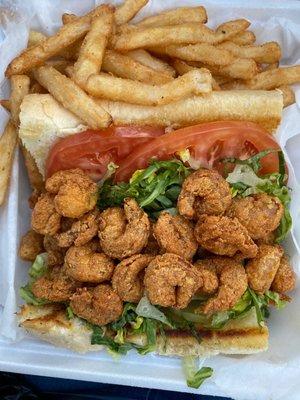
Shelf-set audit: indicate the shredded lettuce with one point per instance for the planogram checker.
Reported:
(155, 188)
(39, 266)
(244, 181)
(194, 377)
(146, 309)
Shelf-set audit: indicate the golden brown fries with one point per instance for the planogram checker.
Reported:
(118, 89)
(128, 10)
(241, 68)
(126, 67)
(176, 16)
(191, 33)
(65, 36)
(72, 97)
(266, 53)
(244, 38)
(93, 47)
(35, 178)
(274, 78)
(261, 107)
(8, 142)
(19, 89)
(288, 95)
(145, 58)
(6, 104)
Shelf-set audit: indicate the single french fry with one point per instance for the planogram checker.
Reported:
(266, 53)
(244, 38)
(258, 106)
(175, 16)
(190, 33)
(6, 104)
(128, 10)
(274, 78)
(72, 97)
(8, 142)
(126, 67)
(182, 68)
(19, 89)
(53, 45)
(203, 52)
(118, 89)
(93, 47)
(240, 68)
(145, 58)
(35, 177)
(288, 95)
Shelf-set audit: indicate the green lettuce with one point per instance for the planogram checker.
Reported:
(194, 377)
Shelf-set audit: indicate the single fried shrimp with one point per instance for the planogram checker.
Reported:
(85, 265)
(123, 233)
(45, 219)
(175, 234)
(260, 214)
(128, 277)
(204, 192)
(31, 245)
(99, 305)
(75, 192)
(56, 254)
(55, 286)
(224, 236)
(206, 270)
(232, 284)
(81, 231)
(285, 278)
(170, 281)
(262, 269)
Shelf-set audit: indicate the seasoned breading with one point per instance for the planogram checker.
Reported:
(55, 253)
(175, 234)
(99, 305)
(206, 270)
(45, 219)
(285, 278)
(224, 236)
(260, 214)
(75, 193)
(31, 245)
(204, 192)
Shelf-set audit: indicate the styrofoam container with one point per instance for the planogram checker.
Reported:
(274, 374)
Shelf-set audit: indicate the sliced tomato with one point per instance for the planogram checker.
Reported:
(92, 150)
(208, 144)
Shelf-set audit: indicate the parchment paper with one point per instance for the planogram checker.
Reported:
(274, 374)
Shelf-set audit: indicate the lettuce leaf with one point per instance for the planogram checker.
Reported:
(194, 377)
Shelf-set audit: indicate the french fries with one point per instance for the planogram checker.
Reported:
(65, 36)
(241, 68)
(93, 47)
(8, 142)
(176, 34)
(118, 89)
(126, 67)
(266, 53)
(19, 88)
(72, 97)
(175, 17)
(128, 10)
(274, 78)
(145, 58)
(244, 38)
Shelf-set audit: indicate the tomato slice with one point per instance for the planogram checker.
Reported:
(93, 150)
(208, 144)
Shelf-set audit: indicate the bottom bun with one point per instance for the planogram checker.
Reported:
(241, 336)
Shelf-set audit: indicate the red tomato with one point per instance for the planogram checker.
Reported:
(92, 150)
(208, 144)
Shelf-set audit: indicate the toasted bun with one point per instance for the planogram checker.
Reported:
(42, 121)
(241, 336)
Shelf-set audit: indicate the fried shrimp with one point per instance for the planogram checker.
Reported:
(260, 214)
(81, 231)
(99, 305)
(224, 236)
(170, 281)
(31, 245)
(75, 193)
(45, 219)
(123, 233)
(175, 234)
(85, 265)
(56, 254)
(128, 277)
(285, 278)
(206, 270)
(232, 283)
(204, 192)
(55, 286)
(262, 269)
